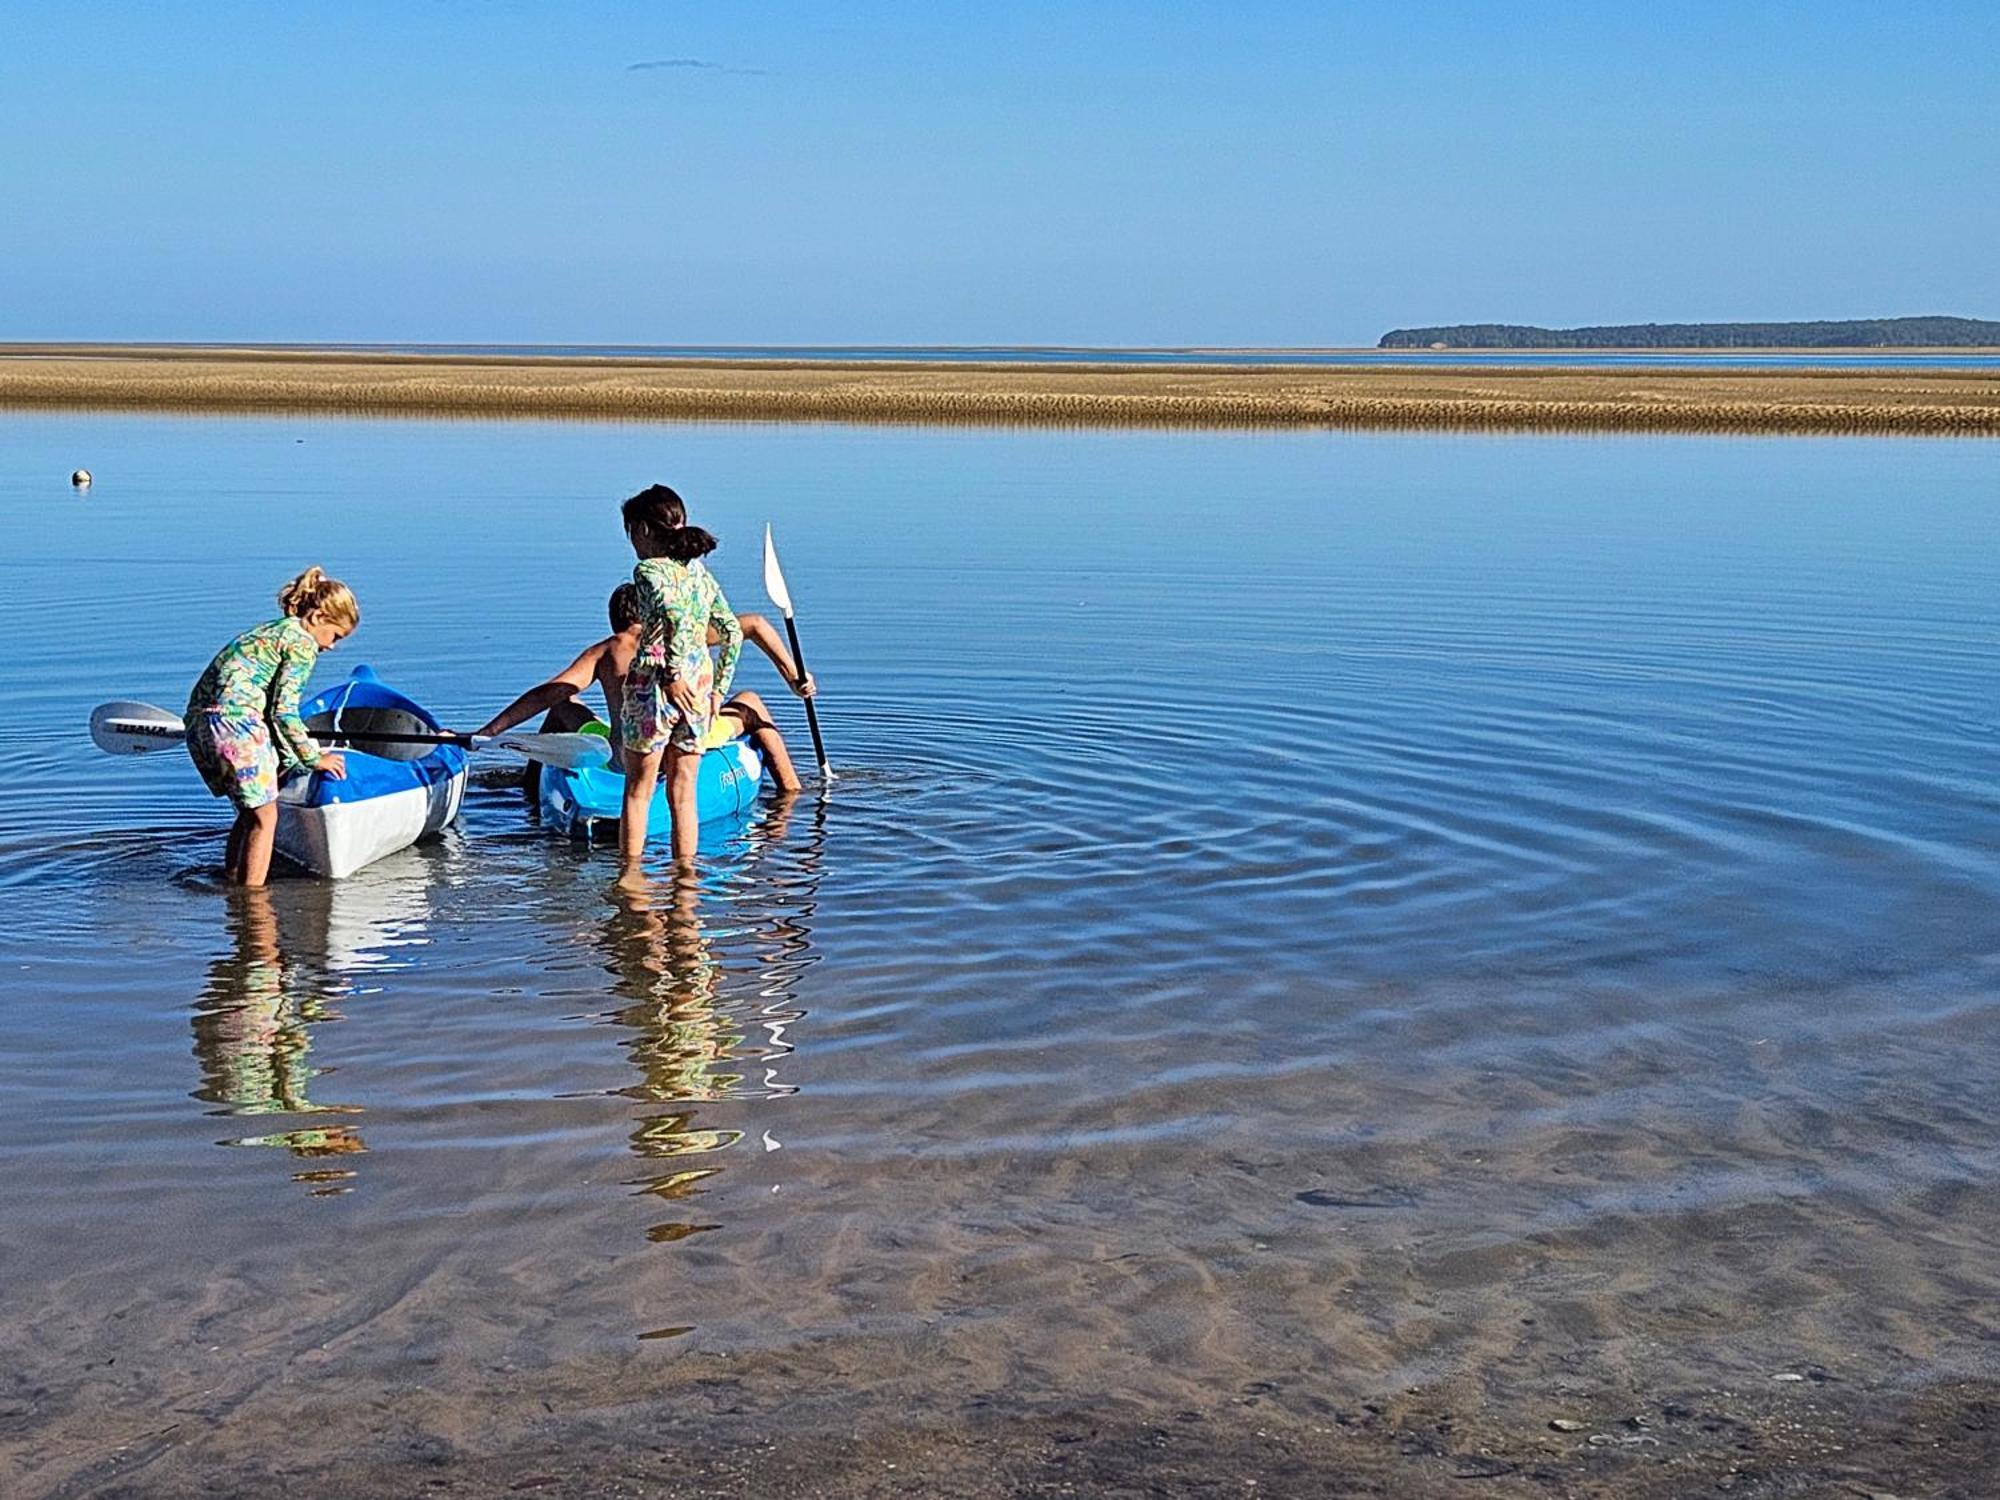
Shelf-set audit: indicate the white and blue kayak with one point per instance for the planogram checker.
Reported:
(585, 802)
(392, 794)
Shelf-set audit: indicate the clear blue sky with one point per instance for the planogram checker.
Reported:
(1101, 173)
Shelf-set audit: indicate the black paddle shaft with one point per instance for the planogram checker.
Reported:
(388, 737)
(812, 718)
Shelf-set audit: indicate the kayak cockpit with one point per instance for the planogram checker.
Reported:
(392, 794)
(375, 719)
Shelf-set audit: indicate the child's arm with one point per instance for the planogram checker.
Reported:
(289, 735)
(762, 634)
(614, 700)
(560, 688)
(722, 619)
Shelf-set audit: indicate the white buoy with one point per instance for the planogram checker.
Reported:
(81, 479)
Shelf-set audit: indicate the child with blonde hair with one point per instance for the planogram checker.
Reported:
(243, 726)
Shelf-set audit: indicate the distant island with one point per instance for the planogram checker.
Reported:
(1858, 333)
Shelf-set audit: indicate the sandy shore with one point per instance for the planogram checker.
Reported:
(1950, 403)
(1866, 1445)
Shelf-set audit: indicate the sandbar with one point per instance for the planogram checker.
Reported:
(1663, 399)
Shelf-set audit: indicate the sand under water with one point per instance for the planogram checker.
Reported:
(1530, 1031)
(1476, 1276)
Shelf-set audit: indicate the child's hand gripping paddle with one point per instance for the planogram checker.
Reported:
(127, 728)
(774, 585)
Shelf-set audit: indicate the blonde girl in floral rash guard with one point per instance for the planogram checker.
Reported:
(673, 690)
(244, 729)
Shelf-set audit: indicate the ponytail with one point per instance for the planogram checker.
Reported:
(685, 543)
(313, 595)
(657, 517)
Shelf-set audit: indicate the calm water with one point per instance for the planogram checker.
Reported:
(1749, 359)
(1293, 906)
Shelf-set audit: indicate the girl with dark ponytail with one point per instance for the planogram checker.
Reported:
(660, 516)
(673, 690)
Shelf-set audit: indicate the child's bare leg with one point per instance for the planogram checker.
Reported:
(771, 745)
(642, 773)
(683, 769)
(749, 711)
(258, 841)
(232, 852)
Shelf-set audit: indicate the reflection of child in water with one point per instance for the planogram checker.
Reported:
(251, 1037)
(663, 965)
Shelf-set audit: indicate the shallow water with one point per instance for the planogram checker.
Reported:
(1311, 912)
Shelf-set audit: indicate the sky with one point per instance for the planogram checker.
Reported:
(1088, 172)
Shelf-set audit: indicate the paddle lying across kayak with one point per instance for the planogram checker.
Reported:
(406, 782)
(126, 727)
(407, 778)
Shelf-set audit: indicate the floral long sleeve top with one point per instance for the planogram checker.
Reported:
(678, 602)
(261, 675)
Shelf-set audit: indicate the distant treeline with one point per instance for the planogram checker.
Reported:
(1858, 333)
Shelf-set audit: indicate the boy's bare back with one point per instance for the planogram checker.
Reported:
(614, 662)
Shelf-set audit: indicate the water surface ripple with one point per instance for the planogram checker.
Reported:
(1274, 883)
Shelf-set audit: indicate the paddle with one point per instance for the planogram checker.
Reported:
(127, 728)
(774, 585)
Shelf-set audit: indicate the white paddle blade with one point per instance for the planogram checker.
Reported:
(127, 728)
(774, 576)
(567, 752)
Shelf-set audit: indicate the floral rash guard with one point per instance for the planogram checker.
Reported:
(244, 729)
(677, 603)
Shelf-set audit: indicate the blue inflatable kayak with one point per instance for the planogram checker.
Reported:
(391, 796)
(576, 802)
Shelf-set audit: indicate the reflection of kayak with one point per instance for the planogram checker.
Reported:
(391, 796)
(576, 801)
(343, 929)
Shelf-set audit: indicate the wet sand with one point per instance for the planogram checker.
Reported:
(1190, 395)
(1941, 1444)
